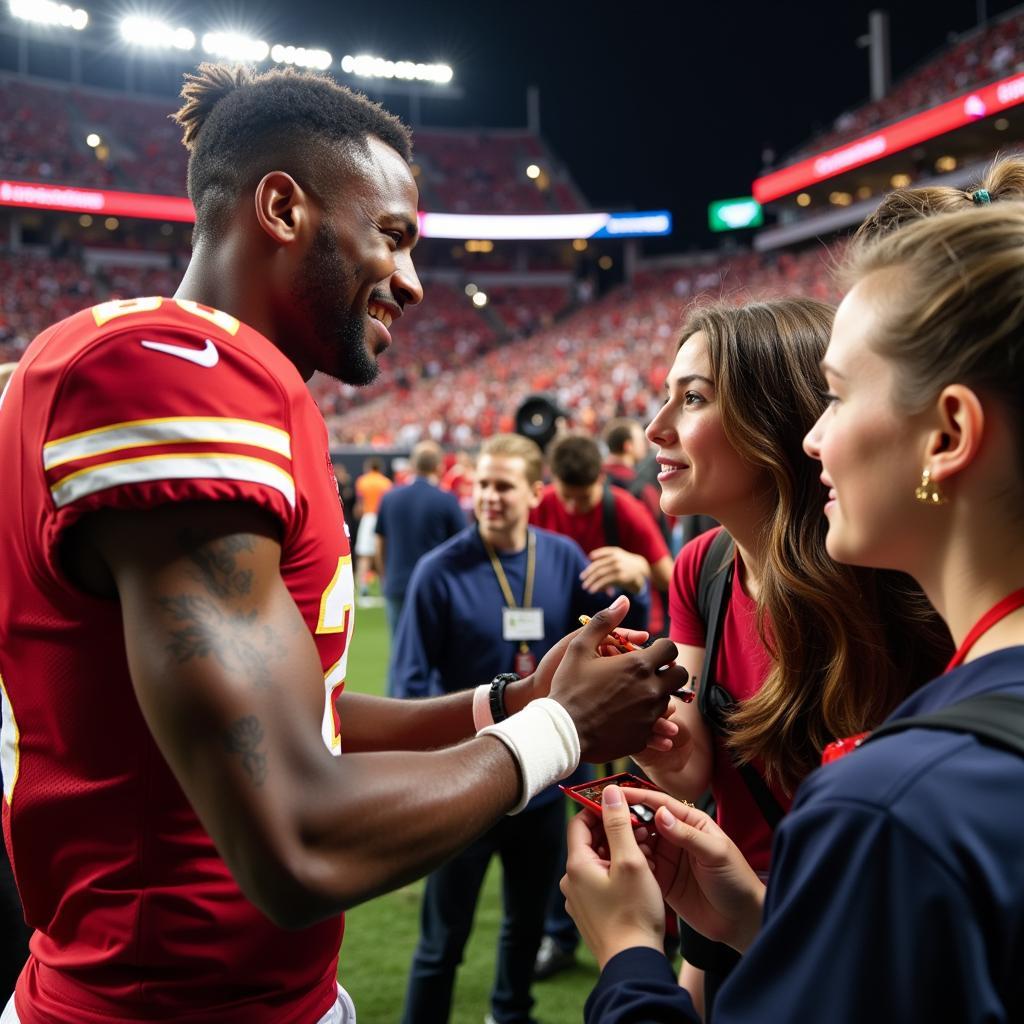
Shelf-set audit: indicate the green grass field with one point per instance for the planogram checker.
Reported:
(380, 936)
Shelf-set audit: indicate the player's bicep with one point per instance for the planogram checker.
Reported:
(220, 660)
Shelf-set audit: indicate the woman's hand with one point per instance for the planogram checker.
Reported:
(701, 873)
(615, 900)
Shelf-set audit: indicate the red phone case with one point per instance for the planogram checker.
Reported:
(585, 792)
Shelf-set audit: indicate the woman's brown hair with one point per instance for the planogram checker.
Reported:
(847, 644)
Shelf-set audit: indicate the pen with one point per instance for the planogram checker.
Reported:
(686, 696)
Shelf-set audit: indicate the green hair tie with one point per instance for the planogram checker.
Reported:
(981, 197)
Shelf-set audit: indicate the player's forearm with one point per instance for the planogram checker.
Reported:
(372, 822)
(377, 723)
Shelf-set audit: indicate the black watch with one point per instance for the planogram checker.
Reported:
(496, 697)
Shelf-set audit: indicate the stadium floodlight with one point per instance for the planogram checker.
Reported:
(92, 140)
(366, 66)
(155, 34)
(235, 46)
(480, 299)
(46, 12)
(321, 60)
(533, 172)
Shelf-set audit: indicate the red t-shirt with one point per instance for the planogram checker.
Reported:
(638, 533)
(742, 666)
(130, 405)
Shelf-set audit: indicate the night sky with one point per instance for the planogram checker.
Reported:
(649, 104)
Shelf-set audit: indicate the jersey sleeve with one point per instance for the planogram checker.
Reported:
(149, 416)
(686, 624)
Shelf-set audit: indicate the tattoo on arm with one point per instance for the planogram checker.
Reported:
(237, 640)
(214, 625)
(216, 562)
(244, 738)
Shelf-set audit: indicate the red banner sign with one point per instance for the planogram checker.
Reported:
(896, 137)
(100, 203)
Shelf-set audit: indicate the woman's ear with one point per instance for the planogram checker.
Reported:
(954, 442)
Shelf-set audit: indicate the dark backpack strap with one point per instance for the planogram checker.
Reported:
(996, 718)
(713, 585)
(713, 588)
(611, 526)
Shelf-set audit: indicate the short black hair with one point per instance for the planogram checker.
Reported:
(239, 125)
(575, 460)
(618, 432)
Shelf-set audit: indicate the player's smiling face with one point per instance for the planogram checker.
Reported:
(358, 275)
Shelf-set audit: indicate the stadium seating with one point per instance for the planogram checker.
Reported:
(978, 57)
(43, 129)
(608, 359)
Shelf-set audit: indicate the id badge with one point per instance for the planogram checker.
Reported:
(522, 623)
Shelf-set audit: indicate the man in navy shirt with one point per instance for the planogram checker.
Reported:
(411, 521)
(492, 599)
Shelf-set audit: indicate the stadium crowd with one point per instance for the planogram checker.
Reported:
(978, 57)
(832, 447)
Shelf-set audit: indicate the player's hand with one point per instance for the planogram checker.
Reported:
(615, 567)
(617, 703)
(701, 873)
(538, 684)
(609, 888)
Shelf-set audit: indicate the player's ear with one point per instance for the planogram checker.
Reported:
(282, 207)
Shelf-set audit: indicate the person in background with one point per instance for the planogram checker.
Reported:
(371, 486)
(458, 480)
(626, 550)
(897, 892)
(491, 600)
(412, 520)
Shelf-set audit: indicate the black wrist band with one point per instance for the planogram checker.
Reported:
(496, 697)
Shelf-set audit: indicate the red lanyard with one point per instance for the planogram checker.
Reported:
(1009, 604)
(840, 748)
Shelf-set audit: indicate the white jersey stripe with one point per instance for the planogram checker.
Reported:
(9, 752)
(170, 430)
(200, 466)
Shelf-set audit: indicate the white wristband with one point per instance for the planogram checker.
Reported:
(543, 740)
(482, 716)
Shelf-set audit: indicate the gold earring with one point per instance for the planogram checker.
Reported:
(928, 491)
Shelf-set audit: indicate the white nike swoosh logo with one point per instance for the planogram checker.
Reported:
(207, 356)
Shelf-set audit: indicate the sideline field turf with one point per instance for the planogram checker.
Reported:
(380, 936)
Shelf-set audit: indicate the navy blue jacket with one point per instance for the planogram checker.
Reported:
(449, 633)
(896, 893)
(413, 520)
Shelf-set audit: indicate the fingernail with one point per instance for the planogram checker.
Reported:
(667, 817)
(617, 601)
(613, 797)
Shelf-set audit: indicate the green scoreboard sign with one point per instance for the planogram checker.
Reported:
(731, 214)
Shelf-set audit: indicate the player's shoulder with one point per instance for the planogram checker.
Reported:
(159, 337)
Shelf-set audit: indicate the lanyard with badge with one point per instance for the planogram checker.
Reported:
(519, 623)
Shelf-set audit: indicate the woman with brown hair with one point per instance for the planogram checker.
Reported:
(806, 649)
(897, 893)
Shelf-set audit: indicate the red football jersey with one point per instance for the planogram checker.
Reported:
(130, 405)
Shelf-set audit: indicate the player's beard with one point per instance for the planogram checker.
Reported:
(324, 281)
